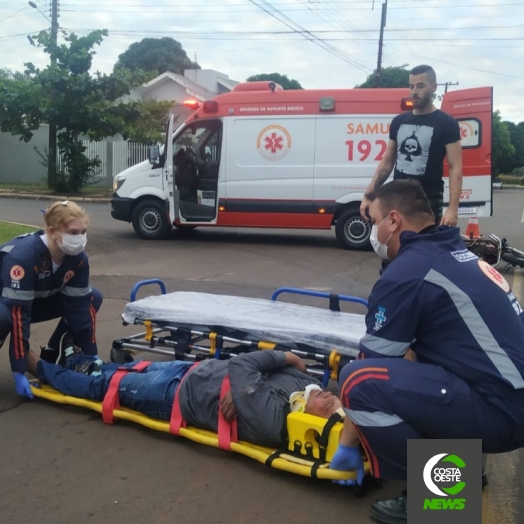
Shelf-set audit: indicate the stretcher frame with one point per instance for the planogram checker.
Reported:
(183, 343)
(312, 441)
(292, 462)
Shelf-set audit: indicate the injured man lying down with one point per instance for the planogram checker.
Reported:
(265, 387)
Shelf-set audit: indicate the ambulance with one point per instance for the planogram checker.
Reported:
(264, 157)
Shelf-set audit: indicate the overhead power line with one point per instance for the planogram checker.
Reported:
(266, 7)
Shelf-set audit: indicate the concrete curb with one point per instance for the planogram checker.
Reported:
(36, 196)
(21, 224)
(103, 200)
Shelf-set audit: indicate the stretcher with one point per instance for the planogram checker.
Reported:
(230, 326)
(195, 326)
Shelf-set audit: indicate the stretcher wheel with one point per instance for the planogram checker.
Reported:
(120, 356)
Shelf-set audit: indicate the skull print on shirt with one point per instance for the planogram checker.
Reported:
(413, 143)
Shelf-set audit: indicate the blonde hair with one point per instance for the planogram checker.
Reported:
(60, 214)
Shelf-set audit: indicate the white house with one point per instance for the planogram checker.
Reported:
(200, 84)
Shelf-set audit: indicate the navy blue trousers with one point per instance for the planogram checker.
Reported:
(392, 400)
(45, 309)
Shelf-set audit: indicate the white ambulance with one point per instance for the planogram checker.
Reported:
(265, 157)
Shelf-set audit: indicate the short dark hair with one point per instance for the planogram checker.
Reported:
(421, 69)
(405, 196)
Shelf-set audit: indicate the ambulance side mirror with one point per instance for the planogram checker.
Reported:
(154, 154)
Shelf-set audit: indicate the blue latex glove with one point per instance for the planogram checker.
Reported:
(22, 385)
(348, 458)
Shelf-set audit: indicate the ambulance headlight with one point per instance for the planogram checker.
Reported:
(118, 182)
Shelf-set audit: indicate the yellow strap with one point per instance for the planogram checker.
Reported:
(213, 348)
(334, 361)
(149, 330)
(266, 345)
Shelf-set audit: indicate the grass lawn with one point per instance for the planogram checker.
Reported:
(8, 231)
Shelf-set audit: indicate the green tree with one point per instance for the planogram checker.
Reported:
(283, 80)
(516, 132)
(80, 103)
(501, 145)
(389, 77)
(7, 74)
(156, 55)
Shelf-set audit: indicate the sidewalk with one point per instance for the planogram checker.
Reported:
(42, 195)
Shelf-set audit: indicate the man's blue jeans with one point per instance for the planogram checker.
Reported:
(150, 391)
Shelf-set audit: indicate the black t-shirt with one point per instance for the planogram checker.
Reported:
(421, 147)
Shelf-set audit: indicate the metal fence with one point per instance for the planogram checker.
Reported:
(21, 163)
(115, 156)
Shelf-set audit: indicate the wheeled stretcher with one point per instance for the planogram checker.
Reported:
(197, 326)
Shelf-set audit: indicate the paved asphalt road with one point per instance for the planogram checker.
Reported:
(63, 465)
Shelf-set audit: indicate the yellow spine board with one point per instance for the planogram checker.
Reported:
(285, 462)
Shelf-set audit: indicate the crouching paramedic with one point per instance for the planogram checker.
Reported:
(466, 328)
(264, 387)
(43, 276)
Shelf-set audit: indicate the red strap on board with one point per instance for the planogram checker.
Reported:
(111, 400)
(227, 433)
(176, 421)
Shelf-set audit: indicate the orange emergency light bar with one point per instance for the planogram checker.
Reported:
(406, 103)
(192, 104)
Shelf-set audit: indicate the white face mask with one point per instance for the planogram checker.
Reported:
(73, 244)
(380, 249)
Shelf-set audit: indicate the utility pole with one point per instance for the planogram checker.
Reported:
(448, 84)
(51, 167)
(381, 42)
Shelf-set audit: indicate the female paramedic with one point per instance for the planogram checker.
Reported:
(45, 275)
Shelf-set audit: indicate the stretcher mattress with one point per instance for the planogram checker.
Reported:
(277, 322)
(284, 461)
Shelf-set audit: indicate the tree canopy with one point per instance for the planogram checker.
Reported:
(156, 55)
(502, 148)
(389, 77)
(81, 104)
(283, 80)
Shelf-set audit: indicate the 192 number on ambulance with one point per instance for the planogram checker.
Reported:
(363, 149)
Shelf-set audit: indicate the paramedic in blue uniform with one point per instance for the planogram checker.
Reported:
(43, 276)
(466, 329)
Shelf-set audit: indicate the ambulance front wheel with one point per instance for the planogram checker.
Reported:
(352, 230)
(150, 220)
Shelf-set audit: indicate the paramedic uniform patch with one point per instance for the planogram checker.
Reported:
(494, 275)
(17, 273)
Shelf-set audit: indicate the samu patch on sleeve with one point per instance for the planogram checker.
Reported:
(17, 273)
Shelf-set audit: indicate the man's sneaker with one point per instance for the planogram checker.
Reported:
(484, 479)
(391, 511)
(67, 349)
(49, 354)
(89, 367)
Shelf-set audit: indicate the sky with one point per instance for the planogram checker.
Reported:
(320, 43)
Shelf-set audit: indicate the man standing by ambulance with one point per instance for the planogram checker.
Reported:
(418, 143)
